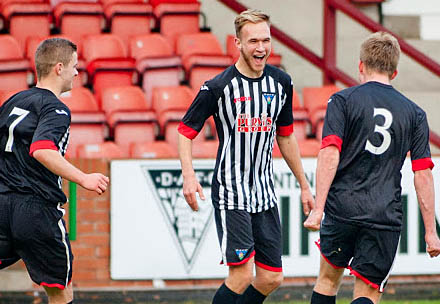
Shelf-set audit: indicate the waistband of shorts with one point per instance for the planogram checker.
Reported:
(30, 198)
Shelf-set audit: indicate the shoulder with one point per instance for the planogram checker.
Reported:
(219, 82)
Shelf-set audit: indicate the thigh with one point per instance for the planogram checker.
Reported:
(234, 230)
(374, 256)
(8, 256)
(337, 242)
(266, 228)
(41, 240)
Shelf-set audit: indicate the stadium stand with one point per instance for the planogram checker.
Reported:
(301, 121)
(6, 94)
(154, 149)
(106, 150)
(14, 67)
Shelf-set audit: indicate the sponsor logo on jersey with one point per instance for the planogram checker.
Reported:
(246, 123)
(330, 100)
(204, 88)
(61, 112)
(188, 228)
(242, 99)
(269, 97)
(241, 253)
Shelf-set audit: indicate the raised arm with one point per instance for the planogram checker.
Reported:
(290, 151)
(328, 161)
(424, 184)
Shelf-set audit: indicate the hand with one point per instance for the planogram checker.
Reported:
(307, 200)
(190, 187)
(95, 182)
(313, 222)
(432, 245)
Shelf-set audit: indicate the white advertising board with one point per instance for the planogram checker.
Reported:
(155, 235)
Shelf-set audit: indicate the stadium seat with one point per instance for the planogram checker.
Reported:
(27, 19)
(77, 19)
(84, 133)
(155, 62)
(315, 101)
(128, 115)
(6, 94)
(107, 62)
(153, 149)
(177, 17)
(202, 57)
(301, 121)
(106, 150)
(14, 68)
(129, 19)
(231, 50)
(307, 147)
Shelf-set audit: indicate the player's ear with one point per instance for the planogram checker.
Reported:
(394, 75)
(237, 43)
(361, 66)
(58, 68)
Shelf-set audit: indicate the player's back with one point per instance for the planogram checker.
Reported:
(377, 126)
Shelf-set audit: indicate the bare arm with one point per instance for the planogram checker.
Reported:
(290, 151)
(58, 165)
(424, 184)
(328, 161)
(190, 183)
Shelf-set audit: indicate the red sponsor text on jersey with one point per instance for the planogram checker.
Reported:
(242, 98)
(246, 123)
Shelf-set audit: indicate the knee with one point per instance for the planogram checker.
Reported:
(238, 281)
(270, 280)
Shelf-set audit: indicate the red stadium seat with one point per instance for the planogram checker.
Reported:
(26, 20)
(301, 121)
(79, 19)
(84, 134)
(107, 62)
(155, 62)
(6, 94)
(129, 19)
(307, 147)
(106, 150)
(13, 67)
(153, 149)
(177, 17)
(231, 50)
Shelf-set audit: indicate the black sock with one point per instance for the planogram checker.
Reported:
(362, 300)
(70, 302)
(251, 296)
(318, 298)
(224, 296)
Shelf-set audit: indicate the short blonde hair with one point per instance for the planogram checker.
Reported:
(50, 52)
(380, 52)
(250, 15)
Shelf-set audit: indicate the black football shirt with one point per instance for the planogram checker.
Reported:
(374, 126)
(31, 120)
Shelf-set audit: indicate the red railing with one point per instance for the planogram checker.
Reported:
(327, 64)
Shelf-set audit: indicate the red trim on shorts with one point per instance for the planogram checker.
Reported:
(422, 164)
(364, 279)
(285, 130)
(330, 263)
(332, 140)
(42, 144)
(242, 261)
(53, 285)
(270, 268)
(187, 131)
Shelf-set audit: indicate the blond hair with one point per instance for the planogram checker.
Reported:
(250, 15)
(380, 52)
(50, 52)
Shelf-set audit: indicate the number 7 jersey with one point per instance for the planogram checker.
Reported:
(31, 120)
(374, 127)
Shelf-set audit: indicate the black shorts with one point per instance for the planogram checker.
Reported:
(33, 230)
(371, 251)
(243, 235)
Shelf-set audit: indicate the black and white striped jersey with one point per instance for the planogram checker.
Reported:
(248, 114)
(31, 120)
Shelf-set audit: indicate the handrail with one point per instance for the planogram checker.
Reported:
(327, 64)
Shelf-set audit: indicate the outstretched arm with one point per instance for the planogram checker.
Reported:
(58, 165)
(290, 151)
(190, 183)
(424, 184)
(328, 160)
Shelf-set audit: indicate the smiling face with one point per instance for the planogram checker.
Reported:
(254, 44)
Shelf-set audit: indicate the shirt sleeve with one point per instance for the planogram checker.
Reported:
(334, 123)
(203, 106)
(420, 150)
(52, 127)
(285, 118)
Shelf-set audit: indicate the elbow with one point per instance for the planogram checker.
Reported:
(329, 156)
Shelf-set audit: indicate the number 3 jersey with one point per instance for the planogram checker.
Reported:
(31, 120)
(374, 127)
(248, 113)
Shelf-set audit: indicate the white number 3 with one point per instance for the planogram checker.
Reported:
(21, 115)
(382, 130)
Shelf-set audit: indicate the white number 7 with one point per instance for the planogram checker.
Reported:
(382, 130)
(21, 115)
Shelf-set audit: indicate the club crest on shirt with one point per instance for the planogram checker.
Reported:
(269, 97)
(241, 253)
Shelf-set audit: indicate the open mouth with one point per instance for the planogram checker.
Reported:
(259, 58)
